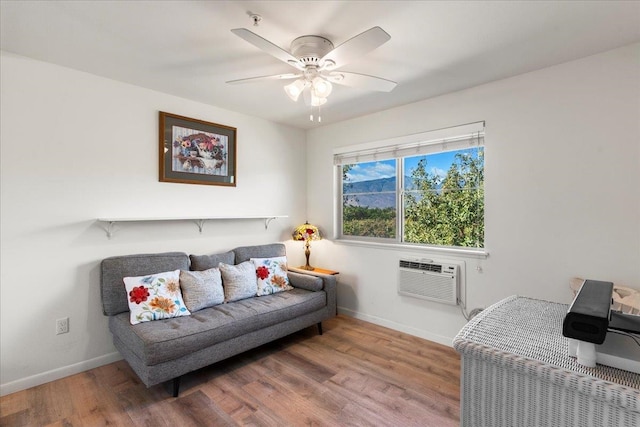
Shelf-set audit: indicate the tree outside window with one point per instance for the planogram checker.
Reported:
(440, 197)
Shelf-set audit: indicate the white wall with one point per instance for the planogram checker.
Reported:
(562, 186)
(562, 197)
(75, 147)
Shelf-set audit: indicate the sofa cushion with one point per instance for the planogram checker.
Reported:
(239, 281)
(165, 340)
(205, 262)
(155, 297)
(245, 253)
(201, 289)
(113, 269)
(272, 275)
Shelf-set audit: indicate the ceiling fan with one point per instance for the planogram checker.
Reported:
(317, 62)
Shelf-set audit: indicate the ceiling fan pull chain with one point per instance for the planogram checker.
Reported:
(319, 115)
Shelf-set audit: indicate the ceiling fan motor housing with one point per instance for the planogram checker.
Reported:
(310, 49)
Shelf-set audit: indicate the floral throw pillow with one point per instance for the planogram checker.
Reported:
(272, 275)
(154, 297)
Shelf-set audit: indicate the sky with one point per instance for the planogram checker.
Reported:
(436, 164)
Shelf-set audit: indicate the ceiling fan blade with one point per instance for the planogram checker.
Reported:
(268, 47)
(266, 78)
(356, 47)
(362, 81)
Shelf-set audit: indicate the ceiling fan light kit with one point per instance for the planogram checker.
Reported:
(315, 58)
(316, 102)
(321, 87)
(294, 89)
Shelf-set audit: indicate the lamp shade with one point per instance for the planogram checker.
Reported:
(316, 102)
(321, 87)
(306, 232)
(294, 89)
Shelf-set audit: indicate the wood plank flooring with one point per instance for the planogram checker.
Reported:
(355, 374)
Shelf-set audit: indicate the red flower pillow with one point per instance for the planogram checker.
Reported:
(272, 275)
(156, 296)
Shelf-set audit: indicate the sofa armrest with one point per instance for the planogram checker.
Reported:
(305, 281)
(317, 282)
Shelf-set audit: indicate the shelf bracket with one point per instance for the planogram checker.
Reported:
(110, 229)
(200, 224)
(267, 221)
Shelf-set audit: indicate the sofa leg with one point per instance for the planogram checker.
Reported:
(175, 387)
(319, 328)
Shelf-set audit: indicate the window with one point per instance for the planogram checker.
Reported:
(421, 189)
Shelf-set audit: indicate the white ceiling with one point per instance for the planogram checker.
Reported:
(186, 48)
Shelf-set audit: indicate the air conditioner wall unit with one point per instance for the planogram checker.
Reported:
(430, 280)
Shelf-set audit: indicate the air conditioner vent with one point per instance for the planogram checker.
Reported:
(432, 280)
(436, 268)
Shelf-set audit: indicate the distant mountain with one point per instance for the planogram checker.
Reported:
(375, 193)
(372, 186)
(380, 200)
(377, 185)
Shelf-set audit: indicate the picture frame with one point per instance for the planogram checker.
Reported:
(194, 151)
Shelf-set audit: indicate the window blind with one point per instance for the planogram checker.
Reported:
(449, 139)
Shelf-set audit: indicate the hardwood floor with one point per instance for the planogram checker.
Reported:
(356, 374)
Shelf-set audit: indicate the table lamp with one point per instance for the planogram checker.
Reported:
(306, 233)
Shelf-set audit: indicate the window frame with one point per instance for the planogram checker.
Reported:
(431, 139)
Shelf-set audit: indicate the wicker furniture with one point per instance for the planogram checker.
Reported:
(516, 372)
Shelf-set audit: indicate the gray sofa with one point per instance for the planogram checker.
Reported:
(164, 350)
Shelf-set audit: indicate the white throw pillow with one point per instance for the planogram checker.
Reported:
(201, 289)
(239, 281)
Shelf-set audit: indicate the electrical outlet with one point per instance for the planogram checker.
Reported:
(62, 326)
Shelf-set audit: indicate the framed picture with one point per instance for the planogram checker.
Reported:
(196, 152)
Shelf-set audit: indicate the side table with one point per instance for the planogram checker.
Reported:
(315, 270)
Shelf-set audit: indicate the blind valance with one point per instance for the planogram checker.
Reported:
(449, 139)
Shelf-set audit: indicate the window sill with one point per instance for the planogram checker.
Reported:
(468, 253)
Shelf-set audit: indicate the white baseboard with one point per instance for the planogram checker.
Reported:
(440, 339)
(56, 374)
